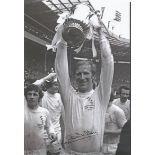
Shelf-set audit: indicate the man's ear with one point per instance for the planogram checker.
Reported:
(39, 102)
(93, 76)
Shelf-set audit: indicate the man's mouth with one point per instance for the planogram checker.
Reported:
(31, 101)
(83, 83)
(124, 99)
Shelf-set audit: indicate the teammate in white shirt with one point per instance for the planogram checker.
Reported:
(114, 121)
(52, 101)
(36, 120)
(84, 109)
(123, 101)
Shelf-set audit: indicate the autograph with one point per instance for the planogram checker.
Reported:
(80, 136)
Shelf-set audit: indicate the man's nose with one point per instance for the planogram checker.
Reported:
(82, 76)
(125, 95)
(32, 96)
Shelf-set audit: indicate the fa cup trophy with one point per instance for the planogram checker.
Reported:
(77, 26)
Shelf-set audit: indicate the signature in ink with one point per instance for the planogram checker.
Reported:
(80, 136)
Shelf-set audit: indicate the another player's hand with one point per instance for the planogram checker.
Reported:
(49, 47)
(52, 137)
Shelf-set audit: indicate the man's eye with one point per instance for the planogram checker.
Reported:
(78, 74)
(124, 94)
(86, 73)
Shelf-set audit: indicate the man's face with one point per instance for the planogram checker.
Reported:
(32, 98)
(124, 95)
(54, 88)
(26, 83)
(83, 77)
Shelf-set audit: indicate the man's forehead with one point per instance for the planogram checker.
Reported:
(83, 67)
(125, 90)
(53, 84)
(83, 62)
(32, 92)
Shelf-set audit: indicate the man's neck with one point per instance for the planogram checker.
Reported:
(53, 93)
(123, 102)
(33, 108)
(87, 91)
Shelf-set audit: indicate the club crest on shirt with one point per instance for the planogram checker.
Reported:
(90, 105)
(41, 122)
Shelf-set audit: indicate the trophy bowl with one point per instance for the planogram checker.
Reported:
(76, 26)
(74, 32)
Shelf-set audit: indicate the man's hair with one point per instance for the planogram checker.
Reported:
(123, 87)
(29, 81)
(50, 84)
(78, 63)
(35, 88)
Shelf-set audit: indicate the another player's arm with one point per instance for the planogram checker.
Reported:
(41, 82)
(120, 118)
(128, 115)
(49, 127)
(112, 131)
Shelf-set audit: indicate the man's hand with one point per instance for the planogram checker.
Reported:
(49, 47)
(52, 137)
(100, 27)
(98, 30)
(50, 77)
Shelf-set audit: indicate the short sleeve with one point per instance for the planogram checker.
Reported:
(120, 116)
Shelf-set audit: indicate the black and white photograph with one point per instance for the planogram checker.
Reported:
(77, 77)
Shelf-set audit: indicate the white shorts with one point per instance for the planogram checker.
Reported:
(35, 152)
(63, 152)
(56, 146)
(109, 149)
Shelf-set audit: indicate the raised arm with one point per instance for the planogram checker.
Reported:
(41, 82)
(107, 68)
(61, 64)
